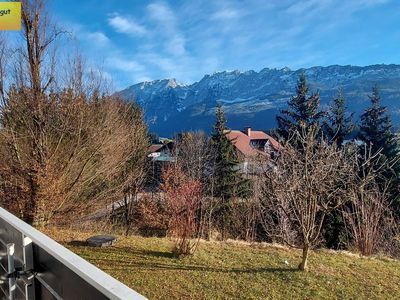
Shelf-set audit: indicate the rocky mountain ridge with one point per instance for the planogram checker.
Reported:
(253, 98)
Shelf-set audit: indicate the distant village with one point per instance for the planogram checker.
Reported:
(248, 144)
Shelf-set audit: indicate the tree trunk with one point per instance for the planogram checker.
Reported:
(209, 225)
(127, 216)
(30, 205)
(303, 265)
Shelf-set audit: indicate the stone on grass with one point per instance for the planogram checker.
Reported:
(101, 240)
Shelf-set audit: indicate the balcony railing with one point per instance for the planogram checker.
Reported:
(33, 266)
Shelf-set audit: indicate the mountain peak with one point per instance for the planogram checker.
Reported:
(173, 83)
(226, 72)
(160, 84)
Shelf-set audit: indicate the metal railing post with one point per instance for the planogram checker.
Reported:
(11, 271)
(29, 280)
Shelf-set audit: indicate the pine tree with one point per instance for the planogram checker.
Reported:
(376, 132)
(228, 182)
(376, 128)
(339, 124)
(337, 127)
(302, 112)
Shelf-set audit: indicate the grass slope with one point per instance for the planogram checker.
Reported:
(237, 271)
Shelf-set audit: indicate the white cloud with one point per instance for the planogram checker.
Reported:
(308, 6)
(312, 7)
(126, 25)
(226, 14)
(174, 40)
(98, 37)
(161, 12)
(176, 45)
(126, 65)
(133, 70)
(80, 32)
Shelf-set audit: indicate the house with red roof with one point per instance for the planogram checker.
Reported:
(252, 144)
(162, 152)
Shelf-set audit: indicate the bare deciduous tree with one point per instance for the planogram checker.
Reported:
(193, 156)
(4, 55)
(307, 182)
(63, 152)
(183, 195)
(39, 34)
(369, 205)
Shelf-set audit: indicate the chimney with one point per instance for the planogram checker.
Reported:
(247, 131)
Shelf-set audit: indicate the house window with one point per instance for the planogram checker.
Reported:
(267, 147)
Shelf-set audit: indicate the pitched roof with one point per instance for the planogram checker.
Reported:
(155, 147)
(242, 141)
(261, 135)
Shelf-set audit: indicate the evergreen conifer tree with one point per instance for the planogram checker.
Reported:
(376, 128)
(228, 182)
(339, 124)
(337, 128)
(376, 132)
(302, 113)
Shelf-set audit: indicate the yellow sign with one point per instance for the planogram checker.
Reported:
(10, 15)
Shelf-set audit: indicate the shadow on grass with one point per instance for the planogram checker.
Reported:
(126, 266)
(77, 243)
(172, 263)
(213, 269)
(125, 259)
(157, 253)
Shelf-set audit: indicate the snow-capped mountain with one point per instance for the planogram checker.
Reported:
(253, 98)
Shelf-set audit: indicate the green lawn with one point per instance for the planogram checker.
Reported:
(236, 271)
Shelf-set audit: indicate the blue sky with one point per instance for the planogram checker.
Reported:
(133, 41)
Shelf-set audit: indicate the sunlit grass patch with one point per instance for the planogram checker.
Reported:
(237, 270)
